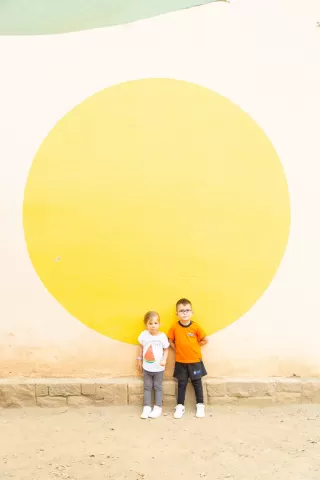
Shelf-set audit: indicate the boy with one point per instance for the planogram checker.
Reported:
(186, 338)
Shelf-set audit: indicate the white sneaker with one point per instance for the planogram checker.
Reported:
(179, 411)
(200, 410)
(145, 412)
(156, 412)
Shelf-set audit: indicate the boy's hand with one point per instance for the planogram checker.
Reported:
(204, 341)
(163, 363)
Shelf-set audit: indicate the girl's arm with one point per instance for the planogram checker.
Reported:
(139, 358)
(172, 344)
(165, 357)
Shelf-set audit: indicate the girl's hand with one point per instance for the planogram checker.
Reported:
(139, 365)
(163, 363)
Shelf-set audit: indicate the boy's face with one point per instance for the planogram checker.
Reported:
(184, 312)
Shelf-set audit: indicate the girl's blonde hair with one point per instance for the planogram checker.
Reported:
(150, 315)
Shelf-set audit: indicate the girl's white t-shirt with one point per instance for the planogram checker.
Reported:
(153, 346)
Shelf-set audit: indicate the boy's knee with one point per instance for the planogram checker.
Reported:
(197, 381)
(182, 383)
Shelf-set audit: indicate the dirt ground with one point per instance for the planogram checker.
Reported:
(99, 443)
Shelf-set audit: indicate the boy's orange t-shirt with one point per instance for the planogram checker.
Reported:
(187, 340)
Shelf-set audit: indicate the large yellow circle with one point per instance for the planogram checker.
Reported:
(149, 191)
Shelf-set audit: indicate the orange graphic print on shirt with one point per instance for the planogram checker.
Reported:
(149, 356)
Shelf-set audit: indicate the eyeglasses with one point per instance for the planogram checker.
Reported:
(185, 311)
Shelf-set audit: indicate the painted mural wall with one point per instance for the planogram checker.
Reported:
(174, 156)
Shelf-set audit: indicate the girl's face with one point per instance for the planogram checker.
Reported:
(153, 325)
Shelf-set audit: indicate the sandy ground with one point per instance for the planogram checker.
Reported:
(230, 443)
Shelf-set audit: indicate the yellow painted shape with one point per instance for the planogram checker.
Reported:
(149, 191)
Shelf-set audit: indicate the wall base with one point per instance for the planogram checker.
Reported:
(255, 392)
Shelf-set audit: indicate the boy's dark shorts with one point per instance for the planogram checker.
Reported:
(184, 371)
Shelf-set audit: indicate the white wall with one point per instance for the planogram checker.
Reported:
(262, 55)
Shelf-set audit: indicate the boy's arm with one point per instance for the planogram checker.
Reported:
(204, 341)
(202, 337)
(171, 338)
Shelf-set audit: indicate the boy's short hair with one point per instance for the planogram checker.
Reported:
(149, 315)
(183, 301)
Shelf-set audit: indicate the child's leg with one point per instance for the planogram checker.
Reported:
(148, 383)
(182, 387)
(157, 383)
(198, 389)
(181, 374)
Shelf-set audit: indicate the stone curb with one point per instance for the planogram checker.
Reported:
(62, 392)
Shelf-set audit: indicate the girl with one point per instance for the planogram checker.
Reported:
(152, 359)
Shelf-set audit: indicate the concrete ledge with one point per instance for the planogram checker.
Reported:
(62, 392)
